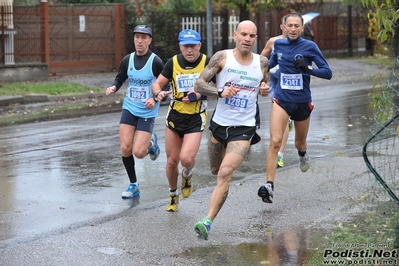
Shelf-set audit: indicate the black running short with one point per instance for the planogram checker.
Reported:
(185, 123)
(226, 134)
(297, 111)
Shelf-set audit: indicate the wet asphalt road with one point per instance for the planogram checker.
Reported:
(61, 182)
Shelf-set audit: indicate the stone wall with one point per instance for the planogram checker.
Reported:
(23, 72)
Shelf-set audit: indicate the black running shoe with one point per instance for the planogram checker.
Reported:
(266, 193)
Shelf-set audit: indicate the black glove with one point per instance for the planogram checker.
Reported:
(301, 65)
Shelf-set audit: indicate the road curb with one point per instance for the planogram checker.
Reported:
(8, 100)
(41, 98)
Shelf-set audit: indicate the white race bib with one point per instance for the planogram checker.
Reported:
(237, 103)
(186, 82)
(138, 94)
(291, 81)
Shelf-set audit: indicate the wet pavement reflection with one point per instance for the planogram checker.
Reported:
(286, 249)
(59, 174)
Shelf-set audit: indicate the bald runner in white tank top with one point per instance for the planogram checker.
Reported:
(241, 109)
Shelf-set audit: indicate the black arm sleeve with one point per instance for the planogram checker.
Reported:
(157, 66)
(122, 73)
(168, 69)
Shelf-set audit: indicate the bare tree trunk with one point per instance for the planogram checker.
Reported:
(394, 44)
(244, 12)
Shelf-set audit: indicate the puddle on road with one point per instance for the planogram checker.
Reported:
(288, 248)
(111, 251)
(375, 230)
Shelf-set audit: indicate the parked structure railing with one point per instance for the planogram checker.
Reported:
(198, 23)
(92, 38)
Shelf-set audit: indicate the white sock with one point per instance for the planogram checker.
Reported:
(174, 192)
(185, 175)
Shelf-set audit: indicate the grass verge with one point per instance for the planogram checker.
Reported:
(382, 61)
(49, 88)
(374, 233)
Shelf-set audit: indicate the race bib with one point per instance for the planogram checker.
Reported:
(237, 103)
(291, 81)
(138, 94)
(186, 82)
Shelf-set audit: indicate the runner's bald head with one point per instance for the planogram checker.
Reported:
(246, 24)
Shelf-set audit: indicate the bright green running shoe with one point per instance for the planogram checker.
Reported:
(280, 160)
(203, 227)
(290, 125)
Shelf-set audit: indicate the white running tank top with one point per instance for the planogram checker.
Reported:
(241, 109)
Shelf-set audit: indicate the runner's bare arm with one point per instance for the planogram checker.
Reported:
(264, 85)
(268, 48)
(264, 64)
(215, 64)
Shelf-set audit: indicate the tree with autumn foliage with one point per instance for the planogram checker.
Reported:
(386, 12)
(247, 8)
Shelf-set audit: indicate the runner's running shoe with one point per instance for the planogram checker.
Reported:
(266, 193)
(131, 191)
(290, 125)
(173, 203)
(203, 227)
(280, 160)
(154, 148)
(186, 188)
(304, 162)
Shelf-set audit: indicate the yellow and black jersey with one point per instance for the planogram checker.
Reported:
(184, 76)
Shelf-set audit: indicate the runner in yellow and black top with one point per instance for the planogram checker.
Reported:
(186, 117)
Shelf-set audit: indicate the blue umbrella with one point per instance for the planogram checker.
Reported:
(309, 16)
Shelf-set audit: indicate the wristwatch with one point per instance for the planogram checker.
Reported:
(155, 97)
(220, 91)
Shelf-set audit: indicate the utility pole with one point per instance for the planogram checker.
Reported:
(209, 28)
(350, 32)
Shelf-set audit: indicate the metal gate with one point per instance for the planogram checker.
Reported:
(69, 39)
